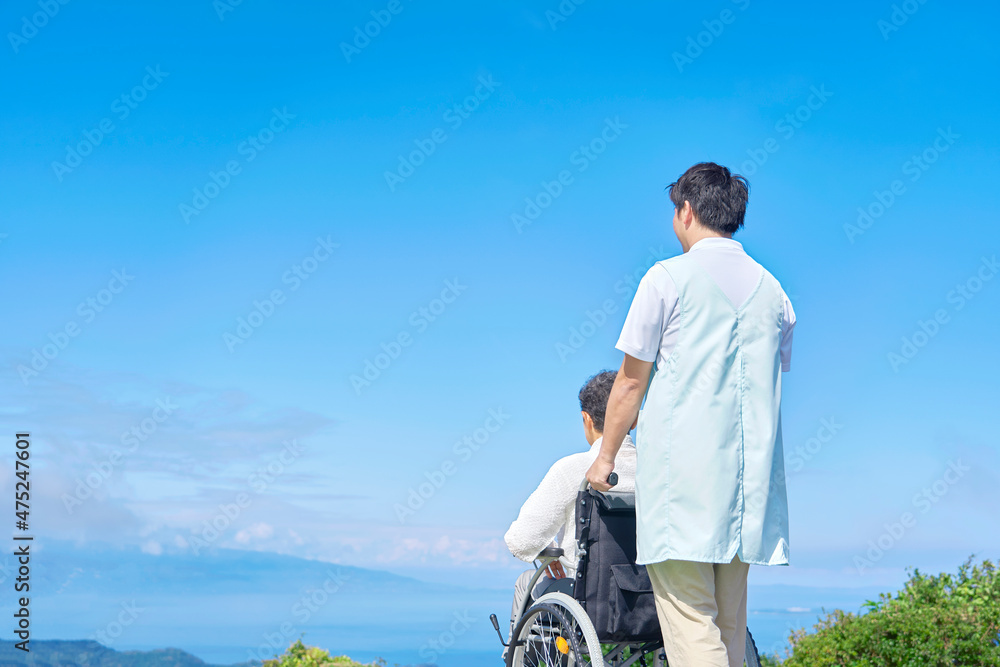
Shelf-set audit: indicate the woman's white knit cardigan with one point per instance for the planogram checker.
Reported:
(549, 513)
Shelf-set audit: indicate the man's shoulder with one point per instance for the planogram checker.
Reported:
(658, 275)
(670, 261)
(665, 267)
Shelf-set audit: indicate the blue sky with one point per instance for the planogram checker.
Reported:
(822, 107)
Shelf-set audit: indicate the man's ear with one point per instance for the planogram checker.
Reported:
(687, 214)
(588, 421)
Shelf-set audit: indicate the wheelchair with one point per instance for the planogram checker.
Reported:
(606, 616)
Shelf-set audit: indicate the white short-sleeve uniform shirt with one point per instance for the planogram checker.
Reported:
(650, 329)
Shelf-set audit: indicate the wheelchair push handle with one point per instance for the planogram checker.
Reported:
(612, 481)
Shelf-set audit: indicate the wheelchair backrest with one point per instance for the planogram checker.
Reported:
(615, 592)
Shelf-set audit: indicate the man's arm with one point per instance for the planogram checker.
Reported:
(623, 408)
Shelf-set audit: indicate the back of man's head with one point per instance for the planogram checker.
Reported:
(718, 197)
(594, 397)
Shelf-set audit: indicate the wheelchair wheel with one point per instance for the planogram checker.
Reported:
(579, 626)
(544, 637)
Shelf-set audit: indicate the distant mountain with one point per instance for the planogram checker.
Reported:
(63, 568)
(88, 653)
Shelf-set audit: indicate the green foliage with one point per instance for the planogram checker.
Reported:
(933, 621)
(769, 661)
(300, 655)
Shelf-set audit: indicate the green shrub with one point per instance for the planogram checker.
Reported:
(933, 621)
(300, 655)
(769, 661)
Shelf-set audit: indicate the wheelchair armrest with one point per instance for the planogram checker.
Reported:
(551, 552)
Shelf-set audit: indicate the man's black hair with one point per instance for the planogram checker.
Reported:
(718, 197)
(594, 396)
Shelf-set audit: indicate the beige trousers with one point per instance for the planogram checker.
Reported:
(702, 608)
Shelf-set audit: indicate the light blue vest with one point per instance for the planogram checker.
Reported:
(710, 474)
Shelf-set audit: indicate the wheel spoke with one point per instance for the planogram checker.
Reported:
(548, 639)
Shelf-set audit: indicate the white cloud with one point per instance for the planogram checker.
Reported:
(255, 532)
(152, 547)
(102, 487)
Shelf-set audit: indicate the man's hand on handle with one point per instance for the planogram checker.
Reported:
(598, 474)
(623, 410)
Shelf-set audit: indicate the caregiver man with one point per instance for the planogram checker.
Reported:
(710, 491)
